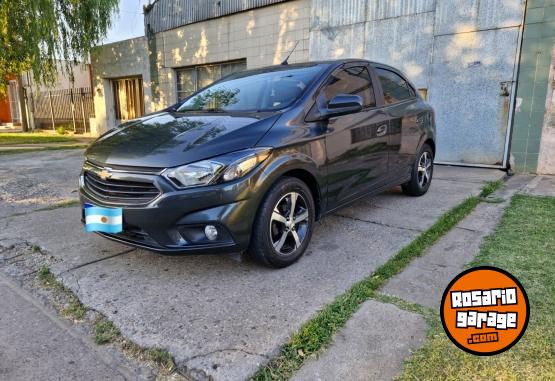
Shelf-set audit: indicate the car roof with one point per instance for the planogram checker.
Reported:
(328, 63)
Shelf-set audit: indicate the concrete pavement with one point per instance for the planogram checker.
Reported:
(371, 346)
(37, 345)
(425, 278)
(218, 316)
(376, 340)
(31, 181)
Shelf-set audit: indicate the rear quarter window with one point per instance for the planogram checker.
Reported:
(395, 88)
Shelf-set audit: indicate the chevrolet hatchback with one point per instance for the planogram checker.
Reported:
(250, 162)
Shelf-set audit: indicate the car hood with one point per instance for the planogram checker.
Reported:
(170, 139)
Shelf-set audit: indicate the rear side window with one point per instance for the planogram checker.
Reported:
(354, 81)
(395, 88)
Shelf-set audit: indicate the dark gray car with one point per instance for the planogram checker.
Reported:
(251, 161)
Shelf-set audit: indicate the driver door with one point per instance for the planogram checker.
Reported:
(356, 144)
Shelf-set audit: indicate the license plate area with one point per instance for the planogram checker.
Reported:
(102, 219)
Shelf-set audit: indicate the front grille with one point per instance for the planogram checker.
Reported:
(119, 191)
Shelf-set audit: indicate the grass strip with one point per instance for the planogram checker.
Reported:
(71, 307)
(61, 204)
(524, 245)
(318, 332)
(105, 332)
(38, 149)
(8, 138)
(490, 187)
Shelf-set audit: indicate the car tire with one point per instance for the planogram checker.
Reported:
(422, 173)
(280, 237)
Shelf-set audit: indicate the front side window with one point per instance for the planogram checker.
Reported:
(191, 79)
(352, 81)
(395, 88)
(261, 90)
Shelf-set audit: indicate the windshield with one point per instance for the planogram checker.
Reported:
(262, 91)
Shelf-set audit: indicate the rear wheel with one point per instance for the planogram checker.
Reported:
(283, 226)
(422, 173)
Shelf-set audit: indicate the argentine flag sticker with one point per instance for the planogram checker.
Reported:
(106, 220)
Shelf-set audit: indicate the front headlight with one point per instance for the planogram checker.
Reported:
(245, 164)
(221, 169)
(191, 175)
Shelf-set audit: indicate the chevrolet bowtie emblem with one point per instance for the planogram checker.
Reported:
(104, 174)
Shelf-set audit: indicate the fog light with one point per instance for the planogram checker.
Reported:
(211, 232)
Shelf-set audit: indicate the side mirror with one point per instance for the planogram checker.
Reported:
(343, 104)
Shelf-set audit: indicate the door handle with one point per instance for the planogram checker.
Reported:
(381, 130)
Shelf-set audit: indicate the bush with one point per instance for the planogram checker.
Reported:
(61, 130)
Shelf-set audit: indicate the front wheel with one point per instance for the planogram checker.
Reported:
(283, 226)
(422, 172)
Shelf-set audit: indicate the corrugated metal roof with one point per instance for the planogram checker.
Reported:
(168, 14)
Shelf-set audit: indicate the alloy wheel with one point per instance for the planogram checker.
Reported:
(424, 169)
(289, 223)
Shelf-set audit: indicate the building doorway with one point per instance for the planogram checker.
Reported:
(13, 102)
(128, 98)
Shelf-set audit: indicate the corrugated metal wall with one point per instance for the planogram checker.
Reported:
(464, 52)
(169, 14)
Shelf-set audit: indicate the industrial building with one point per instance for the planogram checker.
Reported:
(486, 66)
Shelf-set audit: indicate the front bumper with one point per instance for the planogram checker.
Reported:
(174, 221)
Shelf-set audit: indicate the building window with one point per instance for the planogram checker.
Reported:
(191, 79)
(128, 98)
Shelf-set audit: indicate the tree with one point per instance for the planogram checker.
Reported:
(36, 33)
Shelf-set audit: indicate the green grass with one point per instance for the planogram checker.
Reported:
(490, 187)
(105, 332)
(318, 332)
(524, 245)
(162, 358)
(9, 138)
(53, 148)
(72, 307)
(61, 204)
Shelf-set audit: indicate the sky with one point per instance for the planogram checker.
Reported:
(129, 22)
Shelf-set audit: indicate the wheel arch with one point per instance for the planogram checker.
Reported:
(310, 180)
(432, 144)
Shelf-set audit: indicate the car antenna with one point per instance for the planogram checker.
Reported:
(294, 47)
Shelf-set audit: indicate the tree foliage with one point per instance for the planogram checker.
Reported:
(36, 33)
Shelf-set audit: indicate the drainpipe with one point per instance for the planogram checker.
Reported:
(510, 127)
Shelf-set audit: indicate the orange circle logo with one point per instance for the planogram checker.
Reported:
(103, 219)
(485, 310)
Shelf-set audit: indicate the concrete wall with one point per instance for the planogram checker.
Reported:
(263, 36)
(399, 33)
(127, 58)
(546, 159)
(533, 142)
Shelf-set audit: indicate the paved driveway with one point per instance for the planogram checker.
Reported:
(223, 316)
(35, 180)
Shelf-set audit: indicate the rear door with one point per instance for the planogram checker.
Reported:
(356, 144)
(407, 115)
